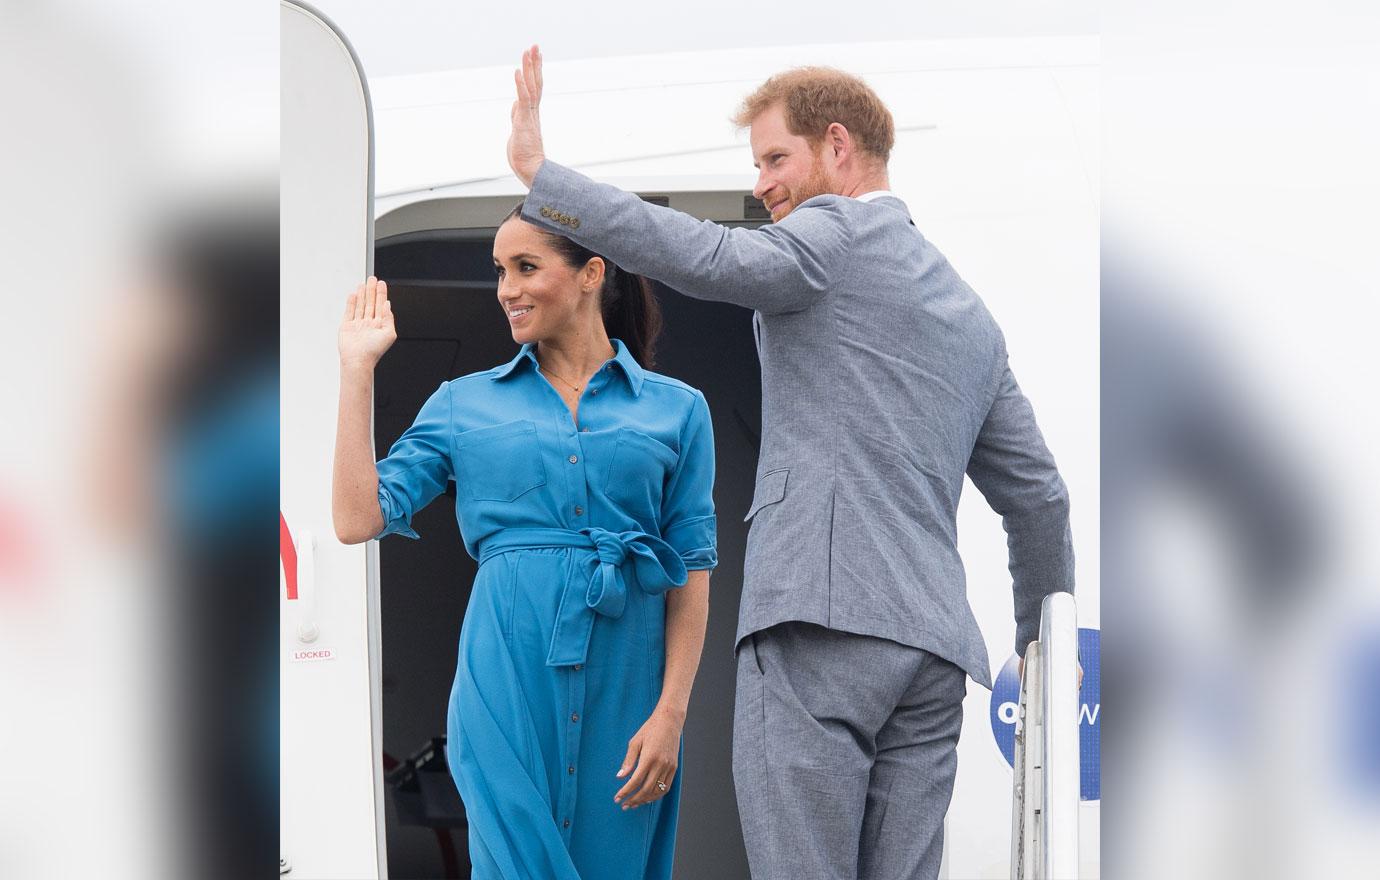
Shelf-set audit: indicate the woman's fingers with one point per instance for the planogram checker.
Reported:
(350, 305)
(630, 759)
(634, 784)
(641, 788)
(661, 771)
(629, 762)
(359, 303)
(385, 306)
(371, 293)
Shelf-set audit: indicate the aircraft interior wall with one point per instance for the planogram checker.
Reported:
(443, 289)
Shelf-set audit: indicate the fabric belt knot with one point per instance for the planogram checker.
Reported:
(613, 557)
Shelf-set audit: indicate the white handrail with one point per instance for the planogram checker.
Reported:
(1045, 786)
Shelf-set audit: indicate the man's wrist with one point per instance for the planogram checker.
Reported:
(529, 175)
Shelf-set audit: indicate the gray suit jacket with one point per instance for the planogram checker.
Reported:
(884, 380)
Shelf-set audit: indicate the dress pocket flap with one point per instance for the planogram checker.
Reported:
(490, 433)
(770, 489)
(658, 450)
(499, 462)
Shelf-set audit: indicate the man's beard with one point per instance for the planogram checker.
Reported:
(815, 184)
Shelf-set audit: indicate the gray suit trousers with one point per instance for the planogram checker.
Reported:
(844, 754)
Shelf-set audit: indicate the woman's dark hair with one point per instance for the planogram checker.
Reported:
(630, 311)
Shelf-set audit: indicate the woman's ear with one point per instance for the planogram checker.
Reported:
(592, 275)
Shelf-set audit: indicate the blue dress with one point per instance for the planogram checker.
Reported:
(579, 530)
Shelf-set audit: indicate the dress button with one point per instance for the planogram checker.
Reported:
(574, 717)
(574, 459)
(565, 824)
(579, 666)
(579, 511)
(570, 769)
(585, 429)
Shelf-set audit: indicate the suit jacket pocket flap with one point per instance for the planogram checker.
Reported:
(770, 489)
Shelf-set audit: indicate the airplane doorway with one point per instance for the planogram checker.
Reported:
(442, 285)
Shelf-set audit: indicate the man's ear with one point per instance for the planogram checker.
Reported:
(840, 142)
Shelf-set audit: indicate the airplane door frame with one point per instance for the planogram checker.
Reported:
(330, 631)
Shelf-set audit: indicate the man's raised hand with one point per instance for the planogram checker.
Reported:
(525, 153)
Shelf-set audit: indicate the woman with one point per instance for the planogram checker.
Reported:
(584, 490)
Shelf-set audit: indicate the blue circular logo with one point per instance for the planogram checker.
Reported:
(1005, 705)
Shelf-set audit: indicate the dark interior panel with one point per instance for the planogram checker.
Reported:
(449, 323)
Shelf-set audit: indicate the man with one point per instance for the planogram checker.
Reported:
(884, 380)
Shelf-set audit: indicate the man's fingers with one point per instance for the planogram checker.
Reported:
(371, 291)
(532, 73)
(521, 92)
(525, 77)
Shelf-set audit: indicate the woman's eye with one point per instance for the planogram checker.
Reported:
(526, 266)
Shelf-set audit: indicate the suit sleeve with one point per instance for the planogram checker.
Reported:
(1015, 472)
(417, 467)
(688, 522)
(781, 267)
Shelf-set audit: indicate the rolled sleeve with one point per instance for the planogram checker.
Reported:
(417, 467)
(688, 523)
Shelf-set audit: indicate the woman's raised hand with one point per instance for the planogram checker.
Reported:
(366, 331)
(525, 152)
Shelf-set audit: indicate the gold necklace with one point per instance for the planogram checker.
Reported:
(563, 379)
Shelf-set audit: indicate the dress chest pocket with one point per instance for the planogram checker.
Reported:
(499, 463)
(637, 471)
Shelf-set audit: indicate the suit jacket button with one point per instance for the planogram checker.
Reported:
(575, 223)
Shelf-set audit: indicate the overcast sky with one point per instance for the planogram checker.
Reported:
(417, 36)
